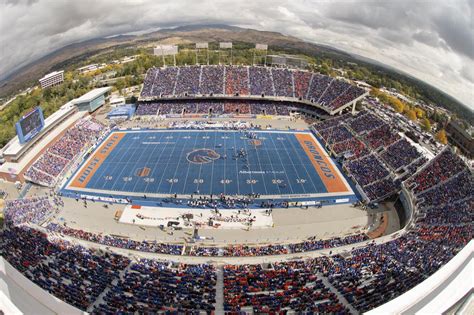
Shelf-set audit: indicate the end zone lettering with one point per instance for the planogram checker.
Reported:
(319, 159)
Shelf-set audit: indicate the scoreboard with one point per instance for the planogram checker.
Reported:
(30, 125)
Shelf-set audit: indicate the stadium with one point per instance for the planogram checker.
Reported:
(232, 189)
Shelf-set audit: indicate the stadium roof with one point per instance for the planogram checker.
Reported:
(91, 95)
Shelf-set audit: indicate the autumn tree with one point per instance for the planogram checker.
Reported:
(411, 114)
(426, 124)
(441, 136)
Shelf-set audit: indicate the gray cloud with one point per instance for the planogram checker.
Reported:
(430, 39)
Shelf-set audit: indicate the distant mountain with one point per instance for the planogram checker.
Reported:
(29, 74)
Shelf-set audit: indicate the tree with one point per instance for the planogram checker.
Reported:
(441, 136)
(426, 124)
(411, 114)
(419, 112)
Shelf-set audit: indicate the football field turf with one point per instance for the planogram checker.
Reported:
(158, 163)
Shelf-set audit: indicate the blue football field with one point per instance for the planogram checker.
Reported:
(163, 162)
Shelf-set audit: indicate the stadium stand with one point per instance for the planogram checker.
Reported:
(366, 278)
(330, 94)
(261, 82)
(54, 160)
(383, 136)
(236, 80)
(187, 81)
(212, 80)
(149, 286)
(283, 82)
(367, 170)
(400, 154)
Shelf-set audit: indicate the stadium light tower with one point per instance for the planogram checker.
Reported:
(224, 48)
(202, 50)
(166, 50)
(260, 52)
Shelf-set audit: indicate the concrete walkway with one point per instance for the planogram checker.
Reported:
(219, 306)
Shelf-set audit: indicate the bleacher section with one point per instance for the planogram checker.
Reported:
(99, 281)
(53, 161)
(325, 92)
(375, 155)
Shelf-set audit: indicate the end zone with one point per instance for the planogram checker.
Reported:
(324, 166)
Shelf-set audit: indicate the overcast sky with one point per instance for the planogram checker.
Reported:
(431, 39)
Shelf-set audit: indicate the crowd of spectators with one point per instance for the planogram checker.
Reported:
(212, 80)
(152, 286)
(115, 241)
(40, 177)
(236, 107)
(319, 85)
(72, 273)
(449, 191)
(216, 107)
(301, 80)
(331, 122)
(383, 136)
(444, 166)
(400, 154)
(311, 244)
(366, 277)
(144, 109)
(415, 165)
(382, 188)
(315, 244)
(236, 80)
(244, 80)
(278, 288)
(352, 148)
(365, 122)
(149, 82)
(210, 107)
(261, 82)
(334, 90)
(164, 82)
(359, 139)
(30, 210)
(336, 134)
(283, 82)
(64, 150)
(187, 81)
(366, 170)
(352, 93)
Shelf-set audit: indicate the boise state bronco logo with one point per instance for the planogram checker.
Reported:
(202, 156)
(255, 142)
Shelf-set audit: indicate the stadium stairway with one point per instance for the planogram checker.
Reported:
(24, 190)
(219, 306)
(341, 298)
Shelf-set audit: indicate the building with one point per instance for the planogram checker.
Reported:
(92, 99)
(123, 112)
(117, 101)
(91, 67)
(52, 79)
(460, 138)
